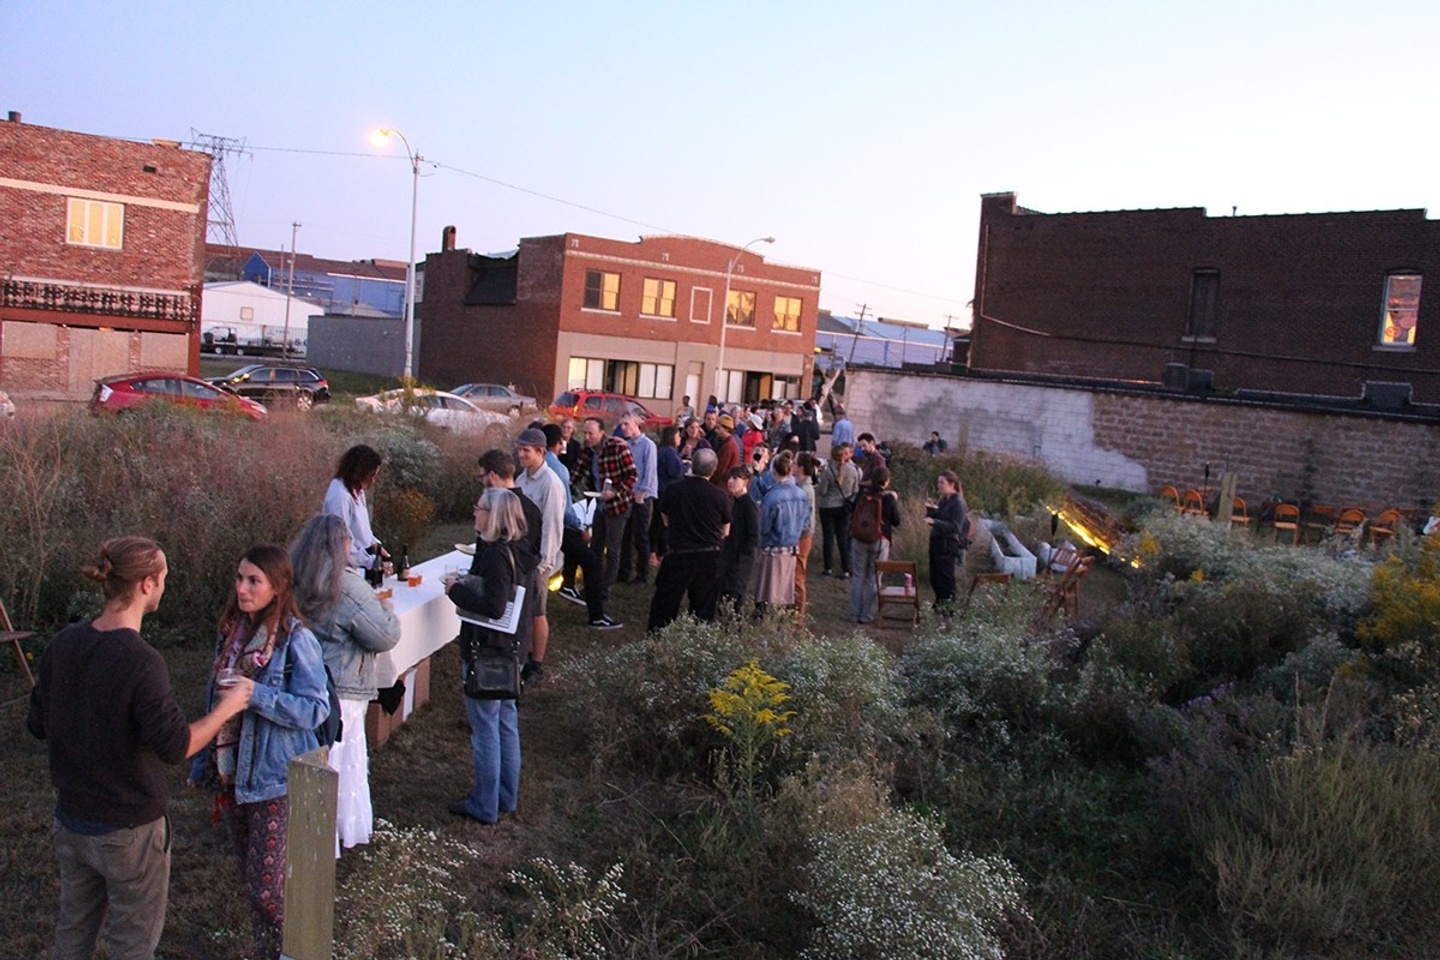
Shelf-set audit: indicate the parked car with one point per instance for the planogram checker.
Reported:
(269, 382)
(7, 406)
(127, 391)
(443, 409)
(609, 407)
(496, 397)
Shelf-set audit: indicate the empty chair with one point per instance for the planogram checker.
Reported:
(982, 579)
(1065, 595)
(1287, 517)
(1060, 561)
(1193, 504)
(1383, 526)
(1171, 495)
(1240, 515)
(897, 583)
(8, 634)
(1349, 523)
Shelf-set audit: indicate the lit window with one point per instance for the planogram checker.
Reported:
(787, 313)
(740, 309)
(1401, 310)
(91, 223)
(658, 298)
(602, 290)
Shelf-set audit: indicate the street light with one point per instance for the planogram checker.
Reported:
(380, 138)
(725, 311)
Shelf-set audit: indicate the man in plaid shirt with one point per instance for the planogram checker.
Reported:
(607, 458)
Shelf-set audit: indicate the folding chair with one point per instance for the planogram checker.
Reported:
(1065, 595)
(981, 579)
(902, 589)
(8, 634)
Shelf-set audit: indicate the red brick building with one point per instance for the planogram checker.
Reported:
(641, 318)
(101, 257)
(1323, 304)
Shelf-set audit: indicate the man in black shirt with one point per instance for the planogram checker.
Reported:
(697, 518)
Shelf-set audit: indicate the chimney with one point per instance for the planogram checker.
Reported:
(14, 116)
(447, 240)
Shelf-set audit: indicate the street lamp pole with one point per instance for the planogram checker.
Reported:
(725, 313)
(415, 159)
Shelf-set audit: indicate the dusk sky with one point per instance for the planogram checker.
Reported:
(859, 135)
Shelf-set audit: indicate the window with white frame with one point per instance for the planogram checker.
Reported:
(1401, 310)
(94, 223)
(700, 298)
(787, 314)
(602, 290)
(740, 309)
(657, 299)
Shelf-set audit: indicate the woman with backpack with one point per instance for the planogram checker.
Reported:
(353, 627)
(872, 521)
(949, 527)
(263, 642)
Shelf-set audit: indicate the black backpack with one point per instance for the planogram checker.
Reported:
(866, 520)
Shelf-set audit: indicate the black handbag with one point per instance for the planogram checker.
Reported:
(491, 673)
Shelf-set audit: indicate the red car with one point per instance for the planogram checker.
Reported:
(609, 407)
(129, 390)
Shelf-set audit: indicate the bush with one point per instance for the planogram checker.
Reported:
(847, 699)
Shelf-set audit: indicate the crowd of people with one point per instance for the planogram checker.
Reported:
(723, 511)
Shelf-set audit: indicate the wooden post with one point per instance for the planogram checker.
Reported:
(310, 858)
(1223, 509)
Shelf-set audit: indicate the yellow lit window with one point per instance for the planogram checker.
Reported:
(94, 223)
(658, 298)
(1402, 308)
(787, 313)
(602, 290)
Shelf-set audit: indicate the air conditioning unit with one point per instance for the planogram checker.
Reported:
(1176, 376)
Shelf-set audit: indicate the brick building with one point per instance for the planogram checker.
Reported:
(1322, 305)
(101, 257)
(642, 318)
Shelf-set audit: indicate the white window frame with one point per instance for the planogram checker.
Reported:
(779, 327)
(1384, 340)
(653, 299)
(697, 294)
(94, 223)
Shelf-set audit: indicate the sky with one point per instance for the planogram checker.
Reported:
(860, 135)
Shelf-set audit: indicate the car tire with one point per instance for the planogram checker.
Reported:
(303, 401)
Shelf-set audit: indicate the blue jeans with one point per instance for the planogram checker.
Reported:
(862, 579)
(495, 745)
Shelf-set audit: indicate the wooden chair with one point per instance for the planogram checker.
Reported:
(1170, 495)
(1240, 515)
(1065, 595)
(894, 591)
(981, 579)
(1383, 526)
(1193, 504)
(1287, 517)
(1321, 521)
(1349, 523)
(1061, 560)
(8, 634)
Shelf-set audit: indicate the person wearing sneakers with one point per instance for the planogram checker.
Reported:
(697, 518)
(607, 470)
(575, 545)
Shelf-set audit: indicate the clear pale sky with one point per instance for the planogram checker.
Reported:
(859, 135)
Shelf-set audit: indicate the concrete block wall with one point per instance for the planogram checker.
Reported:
(359, 344)
(1141, 442)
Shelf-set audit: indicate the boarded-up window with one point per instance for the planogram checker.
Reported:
(1204, 304)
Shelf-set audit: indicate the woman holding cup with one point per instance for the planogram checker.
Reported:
(352, 625)
(262, 642)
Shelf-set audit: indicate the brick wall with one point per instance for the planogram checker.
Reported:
(1140, 442)
(1107, 295)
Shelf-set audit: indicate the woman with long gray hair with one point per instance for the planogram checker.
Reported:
(352, 627)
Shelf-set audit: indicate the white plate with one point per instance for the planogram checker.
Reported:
(466, 548)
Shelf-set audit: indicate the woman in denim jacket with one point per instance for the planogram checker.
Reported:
(263, 643)
(352, 627)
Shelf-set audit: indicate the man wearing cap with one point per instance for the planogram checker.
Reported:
(842, 430)
(605, 459)
(543, 488)
(727, 451)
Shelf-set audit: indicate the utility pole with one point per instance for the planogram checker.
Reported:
(289, 293)
(858, 324)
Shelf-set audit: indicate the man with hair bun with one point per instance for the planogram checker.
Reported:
(103, 703)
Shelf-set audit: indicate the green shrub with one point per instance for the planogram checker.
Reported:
(889, 888)
(846, 695)
(1329, 847)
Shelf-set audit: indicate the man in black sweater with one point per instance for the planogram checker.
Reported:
(697, 517)
(104, 705)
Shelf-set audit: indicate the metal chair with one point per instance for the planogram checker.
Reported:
(1349, 523)
(902, 589)
(1383, 526)
(1170, 495)
(13, 637)
(1287, 517)
(1240, 515)
(1193, 504)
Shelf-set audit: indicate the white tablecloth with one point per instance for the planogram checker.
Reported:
(427, 618)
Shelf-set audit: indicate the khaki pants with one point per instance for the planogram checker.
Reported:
(120, 879)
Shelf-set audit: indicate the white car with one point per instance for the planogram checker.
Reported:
(443, 409)
(7, 406)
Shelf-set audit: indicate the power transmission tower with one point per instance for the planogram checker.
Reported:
(220, 227)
